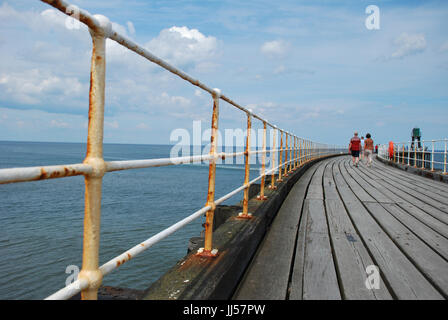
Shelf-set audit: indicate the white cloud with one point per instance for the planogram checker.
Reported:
(408, 44)
(33, 86)
(183, 46)
(142, 126)
(275, 49)
(59, 124)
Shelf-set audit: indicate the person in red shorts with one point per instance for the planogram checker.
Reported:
(354, 147)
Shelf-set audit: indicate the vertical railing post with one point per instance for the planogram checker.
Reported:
(285, 173)
(290, 154)
(415, 155)
(409, 154)
(245, 214)
(402, 158)
(432, 156)
(281, 158)
(208, 250)
(94, 157)
(273, 152)
(444, 159)
(423, 154)
(261, 196)
(295, 153)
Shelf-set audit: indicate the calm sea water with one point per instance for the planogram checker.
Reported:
(42, 221)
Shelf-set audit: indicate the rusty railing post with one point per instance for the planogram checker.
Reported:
(285, 173)
(444, 159)
(94, 157)
(245, 214)
(402, 158)
(290, 154)
(263, 165)
(272, 185)
(432, 156)
(281, 158)
(296, 143)
(208, 250)
(423, 154)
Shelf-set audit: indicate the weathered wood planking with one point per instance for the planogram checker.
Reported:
(413, 210)
(337, 221)
(351, 255)
(267, 277)
(403, 277)
(432, 265)
(437, 186)
(314, 274)
(430, 236)
(417, 195)
(406, 197)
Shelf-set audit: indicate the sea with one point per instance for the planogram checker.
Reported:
(42, 221)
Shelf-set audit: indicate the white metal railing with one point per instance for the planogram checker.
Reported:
(293, 153)
(424, 154)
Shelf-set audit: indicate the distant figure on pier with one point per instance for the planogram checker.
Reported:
(368, 149)
(376, 149)
(354, 147)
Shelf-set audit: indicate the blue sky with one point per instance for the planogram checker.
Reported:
(310, 67)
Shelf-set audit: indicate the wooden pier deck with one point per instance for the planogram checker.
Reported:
(338, 220)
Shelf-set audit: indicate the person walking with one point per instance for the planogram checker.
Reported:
(368, 149)
(354, 147)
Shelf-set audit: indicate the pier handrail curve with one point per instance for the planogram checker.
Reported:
(415, 153)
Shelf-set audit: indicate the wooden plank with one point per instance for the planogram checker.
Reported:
(418, 195)
(424, 190)
(267, 277)
(439, 186)
(314, 275)
(432, 265)
(408, 208)
(319, 274)
(362, 194)
(433, 239)
(376, 194)
(352, 257)
(439, 215)
(401, 275)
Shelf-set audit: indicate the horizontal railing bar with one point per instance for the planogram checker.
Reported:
(69, 291)
(12, 175)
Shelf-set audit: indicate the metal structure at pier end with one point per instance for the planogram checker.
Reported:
(94, 167)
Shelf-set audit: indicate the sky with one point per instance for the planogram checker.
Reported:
(310, 67)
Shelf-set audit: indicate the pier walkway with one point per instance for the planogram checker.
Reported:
(338, 221)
